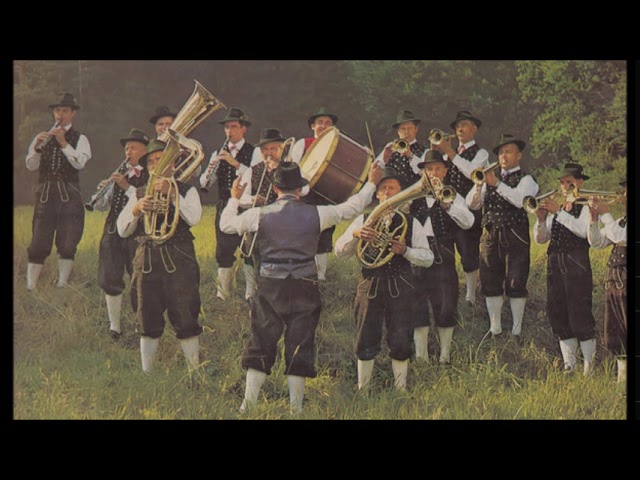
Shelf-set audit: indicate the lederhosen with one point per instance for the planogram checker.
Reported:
(467, 241)
(325, 244)
(288, 297)
(116, 253)
(615, 297)
(166, 277)
(504, 245)
(58, 208)
(256, 175)
(385, 295)
(227, 243)
(569, 283)
(438, 283)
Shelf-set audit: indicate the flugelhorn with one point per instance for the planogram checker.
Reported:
(212, 173)
(46, 141)
(437, 136)
(101, 192)
(443, 193)
(478, 175)
(532, 204)
(399, 145)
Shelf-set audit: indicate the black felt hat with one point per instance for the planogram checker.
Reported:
(405, 116)
(390, 173)
(162, 111)
(155, 145)
(287, 176)
(430, 156)
(268, 135)
(322, 112)
(65, 100)
(574, 169)
(465, 115)
(507, 138)
(135, 135)
(236, 114)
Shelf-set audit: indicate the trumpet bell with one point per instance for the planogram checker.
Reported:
(400, 146)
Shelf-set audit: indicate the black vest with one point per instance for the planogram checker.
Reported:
(401, 165)
(227, 174)
(618, 255)
(455, 177)
(54, 164)
(398, 265)
(564, 240)
(441, 222)
(498, 211)
(183, 230)
(120, 198)
(256, 176)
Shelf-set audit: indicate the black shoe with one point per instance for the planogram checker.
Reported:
(115, 335)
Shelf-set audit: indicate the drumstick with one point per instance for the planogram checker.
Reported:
(369, 135)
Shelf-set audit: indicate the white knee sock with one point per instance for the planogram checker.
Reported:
(588, 348)
(64, 268)
(365, 371)
(446, 337)
(622, 370)
(33, 274)
(114, 305)
(251, 282)
(322, 259)
(191, 349)
(494, 306)
(473, 279)
(225, 276)
(400, 369)
(517, 314)
(148, 349)
(254, 381)
(296, 393)
(421, 342)
(569, 349)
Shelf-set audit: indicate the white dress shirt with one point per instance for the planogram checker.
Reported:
(105, 201)
(419, 253)
(514, 195)
(467, 166)
(246, 201)
(330, 215)
(256, 157)
(190, 211)
(298, 151)
(610, 234)
(77, 157)
(458, 211)
(413, 161)
(578, 226)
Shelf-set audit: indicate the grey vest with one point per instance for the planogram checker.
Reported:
(288, 239)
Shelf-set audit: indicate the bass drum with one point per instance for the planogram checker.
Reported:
(336, 167)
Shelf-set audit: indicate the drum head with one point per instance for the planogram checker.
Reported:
(317, 158)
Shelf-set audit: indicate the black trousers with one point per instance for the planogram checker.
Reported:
(468, 243)
(226, 244)
(615, 309)
(439, 285)
(325, 244)
(504, 261)
(53, 216)
(387, 301)
(569, 295)
(114, 258)
(289, 305)
(172, 285)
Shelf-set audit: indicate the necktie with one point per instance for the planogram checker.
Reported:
(233, 149)
(505, 175)
(461, 149)
(133, 171)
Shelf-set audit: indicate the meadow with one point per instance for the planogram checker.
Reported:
(67, 367)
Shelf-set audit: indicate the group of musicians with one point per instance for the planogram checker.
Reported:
(262, 207)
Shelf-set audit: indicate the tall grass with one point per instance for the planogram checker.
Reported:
(67, 367)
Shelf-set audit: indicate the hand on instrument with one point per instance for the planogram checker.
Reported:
(120, 180)
(365, 233)
(550, 205)
(162, 185)
(386, 155)
(398, 246)
(144, 205)
(42, 136)
(542, 213)
(103, 183)
(59, 134)
(408, 153)
(260, 200)
(597, 206)
(227, 157)
(237, 189)
(490, 179)
(375, 173)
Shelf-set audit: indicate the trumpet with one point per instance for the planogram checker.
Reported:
(46, 141)
(101, 192)
(249, 238)
(437, 136)
(582, 196)
(214, 170)
(399, 145)
(478, 175)
(532, 204)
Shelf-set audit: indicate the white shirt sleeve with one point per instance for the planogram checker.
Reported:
(378, 159)
(331, 215)
(246, 201)
(481, 160)
(475, 197)
(419, 253)
(80, 155)
(614, 232)
(105, 201)
(256, 158)
(232, 223)
(460, 213)
(33, 157)
(191, 207)
(515, 195)
(126, 222)
(298, 151)
(346, 245)
(203, 177)
(577, 226)
(542, 231)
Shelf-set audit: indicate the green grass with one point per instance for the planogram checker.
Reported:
(67, 367)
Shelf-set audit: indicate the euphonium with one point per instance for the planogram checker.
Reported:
(478, 175)
(376, 253)
(436, 136)
(399, 145)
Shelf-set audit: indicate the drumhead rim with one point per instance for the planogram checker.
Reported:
(327, 160)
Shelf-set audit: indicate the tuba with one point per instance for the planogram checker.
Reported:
(375, 253)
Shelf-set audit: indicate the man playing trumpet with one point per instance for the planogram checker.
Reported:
(504, 245)
(569, 278)
(116, 253)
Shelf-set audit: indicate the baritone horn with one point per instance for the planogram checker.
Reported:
(478, 175)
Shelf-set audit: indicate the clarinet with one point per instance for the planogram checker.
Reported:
(89, 206)
(46, 141)
(212, 173)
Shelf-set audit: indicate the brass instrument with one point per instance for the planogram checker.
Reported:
(373, 253)
(89, 206)
(442, 193)
(46, 141)
(212, 173)
(532, 204)
(436, 136)
(582, 196)
(250, 237)
(478, 175)
(399, 145)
